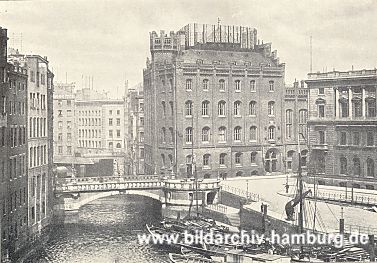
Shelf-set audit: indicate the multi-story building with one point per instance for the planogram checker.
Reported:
(343, 128)
(64, 121)
(135, 102)
(215, 92)
(4, 181)
(295, 128)
(39, 140)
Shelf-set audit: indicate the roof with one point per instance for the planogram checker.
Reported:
(72, 160)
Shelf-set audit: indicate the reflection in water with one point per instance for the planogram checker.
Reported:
(106, 233)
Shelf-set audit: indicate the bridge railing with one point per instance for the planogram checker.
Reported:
(218, 207)
(104, 179)
(184, 185)
(347, 198)
(240, 192)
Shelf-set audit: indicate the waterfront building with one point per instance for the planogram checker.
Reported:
(64, 120)
(135, 103)
(343, 128)
(102, 129)
(218, 93)
(39, 140)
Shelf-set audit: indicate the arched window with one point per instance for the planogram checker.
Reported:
(222, 134)
(272, 85)
(288, 123)
(237, 133)
(304, 156)
(188, 159)
(222, 85)
(206, 159)
(253, 108)
(302, 119)
(271, 133)
(205, 134)
(343, 165)
(171, 134)
(253, 133)
(163, 108)
(171, 108)
(252, 85)
(118, 145)
(237, 108)
(271, 108)
(170, 160)
(163, 161)
(238, 158)
(163, 135)
(253, 157)
(370, 167)
(188, 84)
(205, 106)
(188, 135)
(222, 159)
(237, 85)
(221, 108)
(356, 166)
(188, 108)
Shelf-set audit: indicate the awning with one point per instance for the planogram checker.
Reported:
(72, 160)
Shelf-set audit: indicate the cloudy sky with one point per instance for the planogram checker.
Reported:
(109, 40)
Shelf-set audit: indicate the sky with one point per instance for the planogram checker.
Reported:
(109, 40)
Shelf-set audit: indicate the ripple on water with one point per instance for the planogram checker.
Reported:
(106, 233)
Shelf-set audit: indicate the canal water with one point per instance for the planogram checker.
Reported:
(106, 233)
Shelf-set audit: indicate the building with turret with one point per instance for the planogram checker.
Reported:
(215, 93)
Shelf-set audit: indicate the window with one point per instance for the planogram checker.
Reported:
(321, 111)
(222, 134)
(238, 158)
(69, 102)
(163, 135)
(371, 108)
(188, 84)
(222, 159)
(237, 85)
(271, 108)
(118, 133)
(343, 165)
(118, 121)
(253, 133)
(321, 137)
(222, 85)
(321, 91)
(356, 167)
(110, 122)
(370, 138)
(118, 146)
(253, 108)
(271, 133)
(221, 108)
(163, 108)
(69, 149)
(253, 157)
(237, 108)
(252, 85)
(60, 137)
(302, 119)
(188, 108)
(356, 108)
(237, 133)
(205, 84)
(271, 85)
(344, 109)
(370, 167)
(288, 123)
(188, 135)
(205, 134)
(343, 138)
(111, 133)
(111, 145)
(118, 112)
(205, 108)
(32, 76)
(60, 149)
(69, 136)
(110, 112)
(356, 138)
(206, 159)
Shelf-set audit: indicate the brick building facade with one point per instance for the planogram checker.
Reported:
(218, 93)
(343, 128)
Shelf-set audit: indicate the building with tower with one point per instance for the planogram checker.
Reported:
(217, 93)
